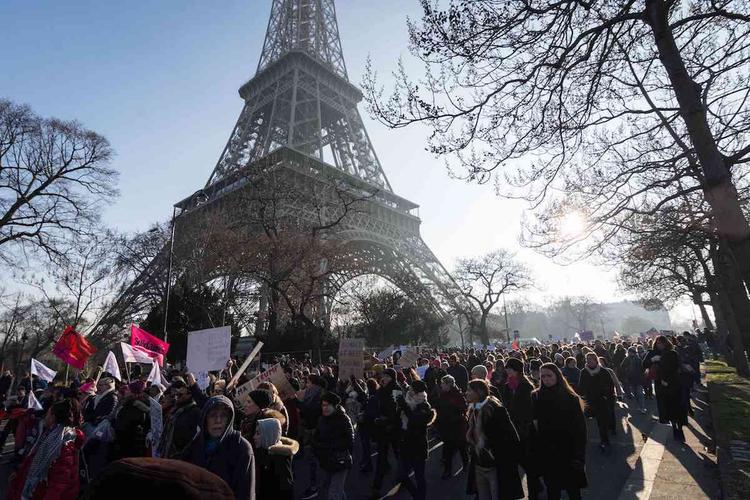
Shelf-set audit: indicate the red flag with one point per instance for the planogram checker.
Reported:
(141, 338)
(72, 348)
(514, 345)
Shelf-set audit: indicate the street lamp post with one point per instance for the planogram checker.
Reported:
(507, 328)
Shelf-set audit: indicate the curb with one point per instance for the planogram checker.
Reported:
(641, 480)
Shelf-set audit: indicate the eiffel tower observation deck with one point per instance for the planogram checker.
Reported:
(300, 122)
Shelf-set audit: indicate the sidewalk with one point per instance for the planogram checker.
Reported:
(667, 469)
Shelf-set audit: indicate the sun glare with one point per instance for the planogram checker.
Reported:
(572, 224)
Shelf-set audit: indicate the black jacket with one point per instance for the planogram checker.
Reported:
(417, 417)
(560, 440)
(232, 460)
(181, 426)
(131, 425)
(333, 440)
(94, 413)
(598, 390)
(274, 475)
(386, 421)
(519, 406)
(459, 373)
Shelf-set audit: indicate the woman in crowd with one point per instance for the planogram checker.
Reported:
(366, 421)
(598, 390)
(571, 372)
(452, 424)
(493, 445)
(415, 415)
(133, 423)
(50, 468)
(664, 365)
(333, 444)
(516, 396)
(560, 442)
(632, 373)
(273, 459)
(222, 450)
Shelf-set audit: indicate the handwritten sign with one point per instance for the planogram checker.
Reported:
(276, 376)
(208, 349)
(408, 359)
(351, 361)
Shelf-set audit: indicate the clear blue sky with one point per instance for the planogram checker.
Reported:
(159, 79)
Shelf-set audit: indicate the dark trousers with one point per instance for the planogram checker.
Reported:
(602, 423)
(554, 492)
(406, 465)
(533, 479)
(450, 448)
(366, 442)
(381, 465)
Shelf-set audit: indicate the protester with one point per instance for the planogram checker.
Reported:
(560, 442)
(309, 404)
(571, 372)
(386, 428)
(50, 469)
(133, 423)
(494, 447)
(222, 450)
(516, 397)
(273, 459)
(416, 415)
(598, 390)
(182, 422)
(366, 421)
(452, 424)
(632, 370)
(333, 443)
(664, 363)
(458, 372)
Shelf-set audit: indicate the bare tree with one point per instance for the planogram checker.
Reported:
(608, 102)
(53, 179)
(484, 280)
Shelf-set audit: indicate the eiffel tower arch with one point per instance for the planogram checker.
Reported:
(300, 121)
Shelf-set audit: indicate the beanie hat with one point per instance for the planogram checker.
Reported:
(261, 398)
(418, 386)
(161, 478)
(390, 372)
(514, 364)
(331, 398)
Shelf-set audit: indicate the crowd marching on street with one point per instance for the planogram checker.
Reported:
(499, 412)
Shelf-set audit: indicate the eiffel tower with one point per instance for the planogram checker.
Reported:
(300, 114)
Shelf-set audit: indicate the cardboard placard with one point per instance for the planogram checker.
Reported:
(276, 376)
(208, 349)
(408, 359)
(351, 361)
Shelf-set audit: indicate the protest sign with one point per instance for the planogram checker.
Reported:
(408, 358)
(351, 361)
(208, 350)
(385, 353)
(276, 376)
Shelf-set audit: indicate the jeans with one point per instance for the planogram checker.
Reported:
(334, 484)
(406, 465)
(488, 487)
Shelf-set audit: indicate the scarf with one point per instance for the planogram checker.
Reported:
(47, 448)
(593, 371)
(475, 435)
(413, 399)
(513, 383)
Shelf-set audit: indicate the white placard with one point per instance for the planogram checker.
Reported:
(208, 349)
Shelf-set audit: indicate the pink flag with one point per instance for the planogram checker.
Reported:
(143, 339)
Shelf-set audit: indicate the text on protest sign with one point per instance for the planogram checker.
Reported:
(276, 376)
(408, 358)
(351, 361)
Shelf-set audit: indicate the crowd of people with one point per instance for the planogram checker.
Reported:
(501, 411)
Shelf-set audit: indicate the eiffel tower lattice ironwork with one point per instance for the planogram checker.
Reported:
(301, 114)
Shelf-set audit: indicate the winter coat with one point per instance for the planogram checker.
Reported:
(273, 470)
(233, 458)
(293, 419)
(94, 413)
(386, 425)
(333, 441)
(670, 404)
(501, 442)
(560, 440)
(572, 375)
(632, 369)
(63, 479)
(309, 407)
(598, 390)
(182, 424)
(459, 373)
(518, 404)
(131, 425)
(415, 415)
(451, 417)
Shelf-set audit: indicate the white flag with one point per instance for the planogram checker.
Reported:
(43, 372)
(155, 377)
(132, 355)
(34, 403)
(111, 366)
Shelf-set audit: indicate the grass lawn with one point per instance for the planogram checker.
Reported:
(730, 407)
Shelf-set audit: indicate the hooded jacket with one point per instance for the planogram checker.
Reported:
(274, 470)
(232, 459)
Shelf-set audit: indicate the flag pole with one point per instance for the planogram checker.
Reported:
(67, 367)
(127, 370)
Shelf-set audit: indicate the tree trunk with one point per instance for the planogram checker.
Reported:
(718, 188)
(704, 315)
(728, 284)
(483, 336)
